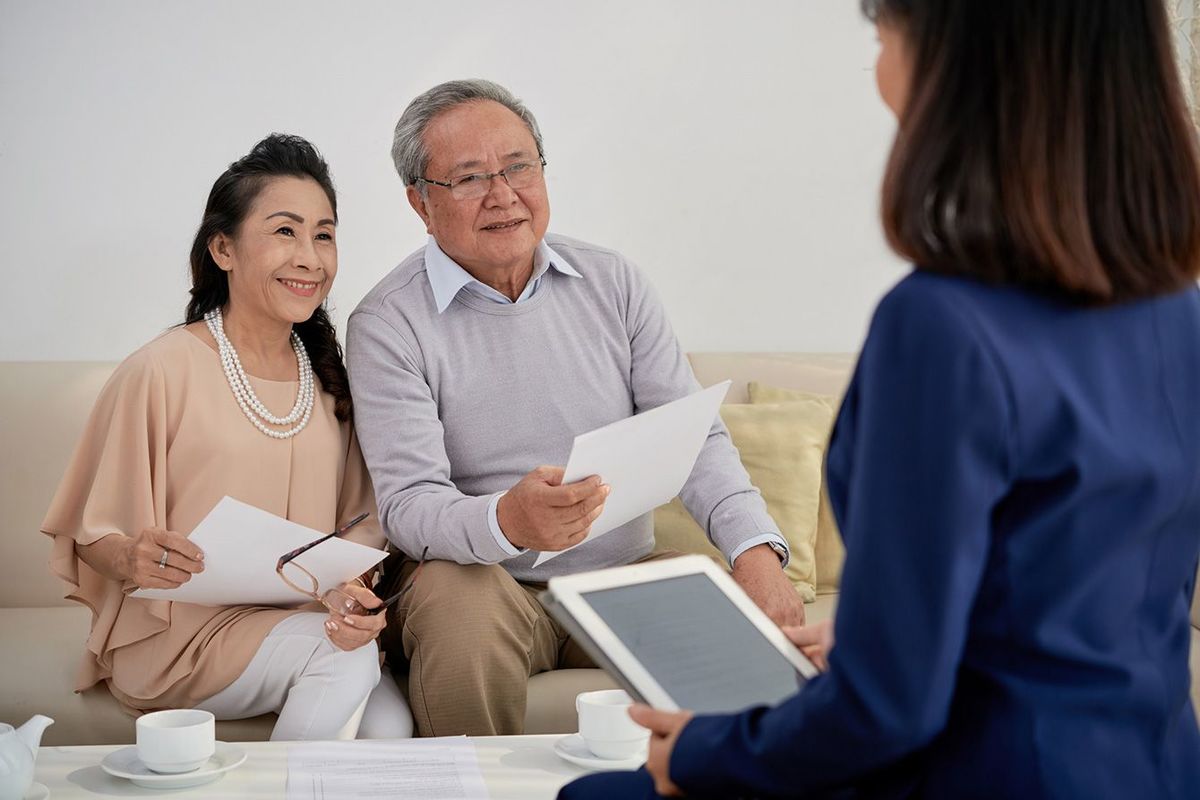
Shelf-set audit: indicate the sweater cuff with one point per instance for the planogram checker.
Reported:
(738, 519)
(494, 526)
(774, 539)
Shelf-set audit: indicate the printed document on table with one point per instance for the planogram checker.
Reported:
(241, 546)
(645, 458)
(431, 769)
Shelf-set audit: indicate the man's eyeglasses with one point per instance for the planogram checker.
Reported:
(520, 175)
(336, 600)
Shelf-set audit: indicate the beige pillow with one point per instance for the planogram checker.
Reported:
(830, 553)
(781, 446)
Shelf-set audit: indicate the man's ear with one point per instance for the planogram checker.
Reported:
(420, 205)
(219, 247)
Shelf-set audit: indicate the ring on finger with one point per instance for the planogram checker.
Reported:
(162, 562)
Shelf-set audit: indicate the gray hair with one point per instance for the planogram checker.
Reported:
(409, 153)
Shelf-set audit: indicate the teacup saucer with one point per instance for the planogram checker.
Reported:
(36, 791)
(124, 763)
(572, 748)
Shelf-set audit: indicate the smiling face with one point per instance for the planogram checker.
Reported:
(282, 262)
(497, 233)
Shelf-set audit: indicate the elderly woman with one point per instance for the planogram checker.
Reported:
(192, 417)
(1016, 465)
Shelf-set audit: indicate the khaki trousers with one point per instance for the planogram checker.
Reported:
(466, 638)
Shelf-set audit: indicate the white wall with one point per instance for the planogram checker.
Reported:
(733, 150)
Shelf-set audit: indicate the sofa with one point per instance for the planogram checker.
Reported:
(43, 406)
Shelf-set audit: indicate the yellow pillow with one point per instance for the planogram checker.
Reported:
(830, 551)
(781, 446)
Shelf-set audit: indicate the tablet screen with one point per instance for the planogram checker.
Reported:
(695, 642)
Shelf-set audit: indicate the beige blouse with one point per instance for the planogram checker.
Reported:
(165, 441)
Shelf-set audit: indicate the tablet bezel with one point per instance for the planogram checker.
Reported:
(568, 591)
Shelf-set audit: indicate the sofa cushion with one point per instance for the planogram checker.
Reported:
(823, 608)
(550, 698)
(829, 550)
(39, 659)
(781, 446)
(45, 405)
(40, 656)
(826, 374)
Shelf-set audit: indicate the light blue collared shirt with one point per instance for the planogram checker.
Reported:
(447, 278)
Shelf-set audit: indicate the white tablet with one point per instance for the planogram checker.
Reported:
(679, 633)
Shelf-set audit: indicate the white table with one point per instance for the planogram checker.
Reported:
(516, 767)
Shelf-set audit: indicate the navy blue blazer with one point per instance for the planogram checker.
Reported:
(1017, 481)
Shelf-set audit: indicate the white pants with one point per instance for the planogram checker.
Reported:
(319, 691)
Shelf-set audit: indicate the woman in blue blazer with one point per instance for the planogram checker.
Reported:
(1016, 465)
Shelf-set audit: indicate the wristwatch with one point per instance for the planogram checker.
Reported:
(780, 551)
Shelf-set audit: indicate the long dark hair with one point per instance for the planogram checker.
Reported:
(232, 195)
(1044, 144)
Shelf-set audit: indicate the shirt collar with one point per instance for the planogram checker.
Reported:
(447, 278)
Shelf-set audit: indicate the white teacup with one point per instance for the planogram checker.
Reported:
(178, 740)
(606, 727)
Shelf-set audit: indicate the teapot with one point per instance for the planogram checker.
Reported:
(18, 749)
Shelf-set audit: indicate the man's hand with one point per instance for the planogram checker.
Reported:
(759, 574)
(665, 727)
(541, 513)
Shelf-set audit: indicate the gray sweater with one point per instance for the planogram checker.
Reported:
(452, 408)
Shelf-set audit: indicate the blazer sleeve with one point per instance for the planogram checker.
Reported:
(920, 458)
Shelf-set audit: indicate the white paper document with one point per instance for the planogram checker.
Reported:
(645, 458)
(431, 769)
(241, 546)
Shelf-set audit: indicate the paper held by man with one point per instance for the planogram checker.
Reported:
(645, 458)
(241, 546)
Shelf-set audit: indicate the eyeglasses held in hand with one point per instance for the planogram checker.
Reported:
(304, 582)
(520, 175)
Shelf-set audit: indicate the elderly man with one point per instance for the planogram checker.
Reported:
(479, 358)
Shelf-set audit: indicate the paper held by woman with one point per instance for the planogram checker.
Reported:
(241, 546)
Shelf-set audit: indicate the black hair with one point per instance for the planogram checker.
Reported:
(232, 195)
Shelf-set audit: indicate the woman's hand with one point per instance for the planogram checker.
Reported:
(140, 559)
(815, 641)
(665, 727)
(352, 631)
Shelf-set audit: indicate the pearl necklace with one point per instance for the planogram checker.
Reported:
(243, 392)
